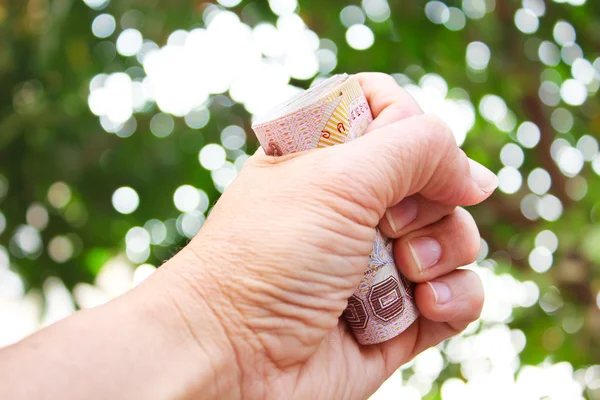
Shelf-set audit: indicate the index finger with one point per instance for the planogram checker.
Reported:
(388, 101)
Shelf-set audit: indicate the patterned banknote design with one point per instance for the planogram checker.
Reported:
(335, 112)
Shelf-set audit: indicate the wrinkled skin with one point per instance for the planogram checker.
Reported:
(288, 243)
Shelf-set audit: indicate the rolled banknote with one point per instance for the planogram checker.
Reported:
(333, 112)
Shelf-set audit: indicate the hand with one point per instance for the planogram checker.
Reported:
(288, 243)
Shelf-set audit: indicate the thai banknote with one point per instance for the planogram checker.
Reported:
(333, 112)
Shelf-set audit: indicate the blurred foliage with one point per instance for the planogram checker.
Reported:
(48, 56)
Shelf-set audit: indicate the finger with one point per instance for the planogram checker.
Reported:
(415, 155)
(439, 248)
(447, 305)
(382, 91)
(412, 213)
(456, 298)
(388, 101)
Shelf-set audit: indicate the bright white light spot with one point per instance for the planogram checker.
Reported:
(577, 188)
(429, 363)
(197, 119)
(36, 216)
(360, 37)
(526, 21)
(28, 239)
(96, 4)
(570, 53)
(547, 239)
(186, 198)
(269, 40)
(142, 272)
(510, 180)
(327, 60)
(434, 84)
(539, 181)
(562, 120)
(229, 3)
(564, 33)
(157, 231)
(508, 123)
(457, 20)
(453, 388)
(59, 195)
(233, 137)
(529, 206)
(550, 208)
(178, 38)
(588, 146)
(223, 176)
(125, 200)
(549, 53)
(129, 42)
(113, 100)
(103, 26)
(528, 134)
(540, 259)
(162, 124)
(538, 7)
(493, 108)
(301, 64)
(532, 292)
(474, 9)
(573, 92)
(437, 12)
(190, 223)
(60, 249)
(583, 71)
(351, 15)
(212, 156)
(137, 239)
(377, 10)
(478, 55)
(596, 165)
(557, 146)
(283, 7)
(549, 93)
(570, 161)
(512, 155)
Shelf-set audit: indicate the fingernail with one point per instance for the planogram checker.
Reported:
(425, 251)
(442, 292)
(402, 214)
(485, 179)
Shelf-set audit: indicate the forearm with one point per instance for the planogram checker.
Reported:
(137, 346)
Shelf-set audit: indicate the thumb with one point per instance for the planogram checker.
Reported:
(415, 155)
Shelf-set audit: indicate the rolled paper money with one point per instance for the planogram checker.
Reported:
(335, 111)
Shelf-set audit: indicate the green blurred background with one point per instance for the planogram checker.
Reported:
(121, 122)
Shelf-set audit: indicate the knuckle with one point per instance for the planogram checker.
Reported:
(383, 77)
(437, 126)
(438, 136)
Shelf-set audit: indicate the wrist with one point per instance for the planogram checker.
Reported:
(184, 305)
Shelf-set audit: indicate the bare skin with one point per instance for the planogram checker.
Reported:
(251, 307)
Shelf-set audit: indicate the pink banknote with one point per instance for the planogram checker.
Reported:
(334, 112)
